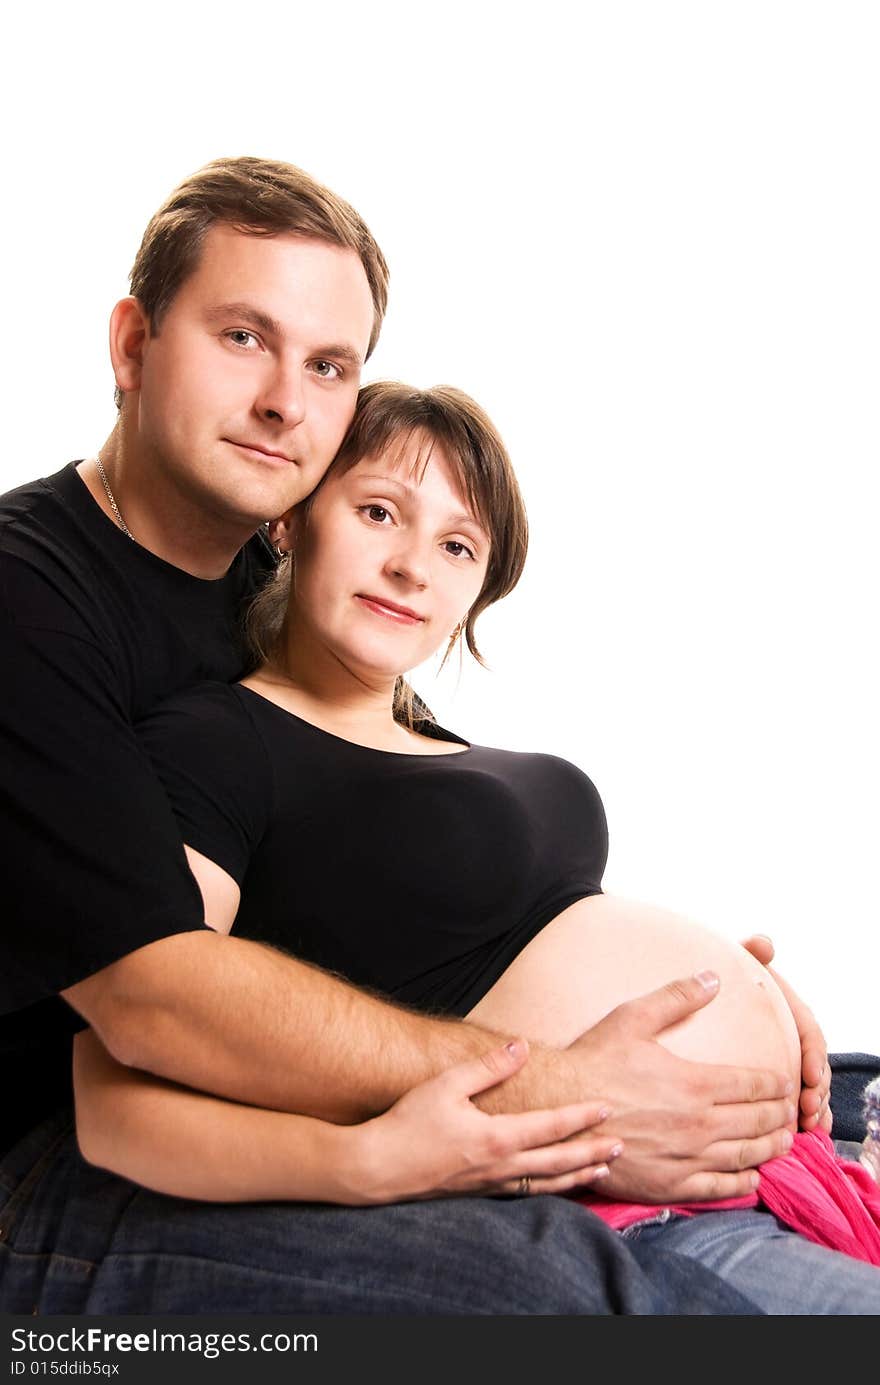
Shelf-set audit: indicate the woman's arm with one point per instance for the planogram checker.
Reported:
(220, 893)
(432, 1142)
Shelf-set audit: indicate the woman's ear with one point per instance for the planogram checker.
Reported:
(281, 532)
(129, 333)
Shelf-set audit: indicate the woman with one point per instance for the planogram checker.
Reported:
(323, 815)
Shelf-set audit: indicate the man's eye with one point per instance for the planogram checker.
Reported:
(327, 370)
(240, 336)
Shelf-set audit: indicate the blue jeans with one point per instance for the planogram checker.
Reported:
(74, 1239)
(850, 1075)
(781, 1271)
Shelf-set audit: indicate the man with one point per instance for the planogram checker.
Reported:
(256, 298)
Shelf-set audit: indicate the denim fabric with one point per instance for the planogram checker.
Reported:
(850, 1075)
(783, 1273)
(74, 1239)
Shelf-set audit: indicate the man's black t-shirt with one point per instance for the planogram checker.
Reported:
(95, 631)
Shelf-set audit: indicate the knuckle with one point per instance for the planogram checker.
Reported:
(705, 1128)
(711, 1187)
(494, 1145)
(678, 990)
(557, 1129)
(491, 1062)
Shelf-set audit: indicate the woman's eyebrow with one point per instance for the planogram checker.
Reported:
(458, 519)
(385, 480)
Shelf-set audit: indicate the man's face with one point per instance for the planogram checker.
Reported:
(249, 384)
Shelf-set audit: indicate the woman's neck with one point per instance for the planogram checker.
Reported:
(317, 687)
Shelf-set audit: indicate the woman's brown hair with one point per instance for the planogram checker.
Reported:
(389, 415)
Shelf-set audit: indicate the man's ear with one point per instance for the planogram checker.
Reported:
(129, 332)
(281, 531)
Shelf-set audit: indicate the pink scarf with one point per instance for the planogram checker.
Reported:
(834, 1202)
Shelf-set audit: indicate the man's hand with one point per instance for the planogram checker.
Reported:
(691, 1131)
(814, 1108)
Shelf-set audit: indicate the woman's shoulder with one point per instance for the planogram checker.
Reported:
(209, 697)
(202, 714)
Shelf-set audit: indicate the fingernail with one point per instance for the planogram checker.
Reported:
(790, 1112)
(615, 1151)
(707, 979)
(604, 1113)
(514, 1048)
(754, 1180)
(601, 1172)
(787, 1140)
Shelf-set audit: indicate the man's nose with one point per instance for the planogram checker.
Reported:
(282, 396)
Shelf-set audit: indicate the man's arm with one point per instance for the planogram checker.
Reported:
(245, 1021)
(263, 1028)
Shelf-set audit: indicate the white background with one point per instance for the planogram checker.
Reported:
(645, 236)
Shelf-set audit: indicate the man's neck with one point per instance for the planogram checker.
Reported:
(180, 532)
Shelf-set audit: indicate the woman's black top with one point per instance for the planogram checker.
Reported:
(418, 876)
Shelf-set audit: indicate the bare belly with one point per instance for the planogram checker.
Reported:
(602, 951)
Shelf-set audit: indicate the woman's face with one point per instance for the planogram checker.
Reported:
(388, 561)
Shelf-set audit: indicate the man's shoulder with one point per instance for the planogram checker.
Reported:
(42, 493)
(45, 549)
(46, 518)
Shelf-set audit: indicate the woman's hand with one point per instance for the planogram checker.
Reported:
(814, 1108)
(435, 1142)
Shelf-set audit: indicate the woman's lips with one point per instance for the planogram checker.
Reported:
(402, 615)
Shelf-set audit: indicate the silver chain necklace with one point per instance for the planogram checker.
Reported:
(110, 496)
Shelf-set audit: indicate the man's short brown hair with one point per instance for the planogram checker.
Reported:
(261, 197)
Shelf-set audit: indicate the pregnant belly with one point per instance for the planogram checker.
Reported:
(602, 951)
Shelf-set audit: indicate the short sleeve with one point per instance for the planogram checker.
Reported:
(93, 865)
(215, 770)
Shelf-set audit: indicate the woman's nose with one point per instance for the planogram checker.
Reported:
(409, 562)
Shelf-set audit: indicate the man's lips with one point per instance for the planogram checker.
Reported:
(402, 614)
(261, 451)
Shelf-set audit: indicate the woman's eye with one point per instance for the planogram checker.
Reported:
(378, 513)
(456, 549)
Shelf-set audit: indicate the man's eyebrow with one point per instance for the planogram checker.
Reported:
(340, 351)
(244, 312)
(247, 312)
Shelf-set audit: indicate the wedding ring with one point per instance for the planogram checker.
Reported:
(524, 1184)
